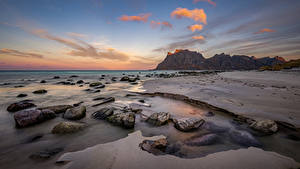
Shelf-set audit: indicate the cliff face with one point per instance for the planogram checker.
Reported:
(189, 60)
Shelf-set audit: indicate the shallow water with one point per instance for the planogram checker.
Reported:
(16, 149)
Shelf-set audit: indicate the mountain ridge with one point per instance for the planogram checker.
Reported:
(183, 59)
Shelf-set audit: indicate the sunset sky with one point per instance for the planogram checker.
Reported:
(137, 34)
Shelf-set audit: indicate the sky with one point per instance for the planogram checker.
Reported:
(138, 34)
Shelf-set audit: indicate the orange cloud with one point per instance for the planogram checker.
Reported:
(209, 1)
(195, 27)
(195, 14)
(139, 18)
(19, 53)
(163, 24)
(264, 31)
(200, 37)
(76, 35)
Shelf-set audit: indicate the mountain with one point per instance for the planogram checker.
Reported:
(190, 60)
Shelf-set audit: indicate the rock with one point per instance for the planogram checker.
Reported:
(100, 87)
(134, 83)
(64, 83)
(67, 127)
(114, 79)
(96, 91)
(132, 80)
(70, 80)
(187, 124)
(80, 85)
(80, 82)
(72, 76)
(26, 118)
(22, 95)
(103, 113)
(20, 106)
(124, 78)
(94, 84)
(41, 91)
(99, 98)
(213, 128)
(46, 154)
(56, 77)
(243, 138)
(208, 139)
(154, 146)
(34, 138)
(58, 108)
(18, 86)
(158, 119)
(126, 120)
(77, 104)
(141, 100)
(106, 100)
(43, 81)
(265, 126)
(209, 114)
(75, 113)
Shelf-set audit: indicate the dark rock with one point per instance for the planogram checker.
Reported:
(87, 90)
(46, 154)
(75, 113)
(155, 147)
(132, 80)
(77, 104)
(22, 95)
(99, 98)
(188, 124)
(58, 108)
(96, 91)
(70, 80)
(34, 138)
(80, 82)
(293, 137)
(208, 139)
(158, 119)
(209, 114)
(100, 87)
(20, 106)
(126, 120)
(43, 81)
(142, 101)
(26, 118)
(73, 76)
(114, 79)
(56, 77)
(243, 138)
(64, 83)
(134, 83)
(103, 113)
(18, 86)
(41, 91)
(94, 84)
(67, 127)
(106, 100)
(80, 85)
(124, 78)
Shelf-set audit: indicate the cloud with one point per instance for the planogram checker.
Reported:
(209, 1)
(76, 35)
(195, 27)
(200, 37)
(197, 15)
(184, 44)
(139, 18)
(164, 24)
(264, 31)
(19, 53)
(81, 48)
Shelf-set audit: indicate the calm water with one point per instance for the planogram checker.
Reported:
(15, 148)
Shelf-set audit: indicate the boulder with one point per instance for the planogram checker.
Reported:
(26, 118)
(124, 78)
(67, 127)
(56, 77)
(72, 76)
(243, 138)
(105, 100)
(154, 146)
(114, 79)
(75, 113)
(41, 91)
(20, 106)
(188, 124)
(126, 120)
(208, 139)
(78, 104)
(132, 80)
(94, 84)
(43, 81)
(58, 108)
(22, 95)
(103, 113)
(158, 119)
(265, 126)
(80, 82)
